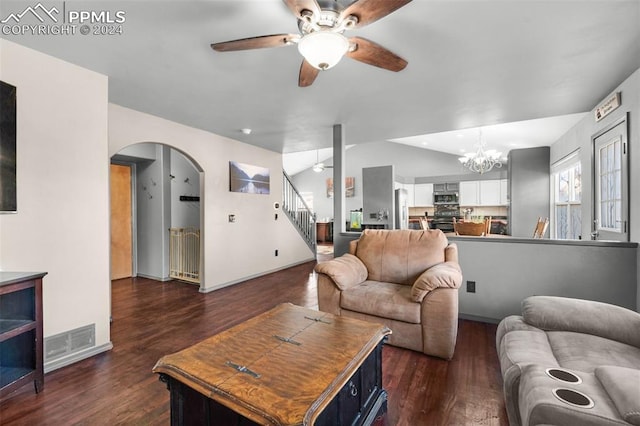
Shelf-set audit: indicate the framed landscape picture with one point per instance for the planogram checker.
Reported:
(248, 178)
(8, 190)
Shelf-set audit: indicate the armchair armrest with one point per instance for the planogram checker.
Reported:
(583, 316)
(445, 274)
(345, 271)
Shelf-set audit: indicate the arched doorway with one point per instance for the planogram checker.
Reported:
(154, 188)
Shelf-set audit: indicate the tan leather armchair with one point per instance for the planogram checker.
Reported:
(407, 280)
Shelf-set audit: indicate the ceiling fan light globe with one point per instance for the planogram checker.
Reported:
(323, 49)
(318, 167)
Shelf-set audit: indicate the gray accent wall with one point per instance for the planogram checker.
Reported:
(579, 138)
(153, 192)
(507, 271)
(378, 196)
(185, 181)
(529, 189)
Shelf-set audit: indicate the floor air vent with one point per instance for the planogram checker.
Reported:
(69, 342)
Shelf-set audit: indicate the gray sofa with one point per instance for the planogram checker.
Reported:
(570, 362)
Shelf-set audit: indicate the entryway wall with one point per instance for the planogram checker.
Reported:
(234, 251)
(161, 175)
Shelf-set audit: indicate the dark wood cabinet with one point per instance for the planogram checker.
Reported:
(324, 232)
(21, 356)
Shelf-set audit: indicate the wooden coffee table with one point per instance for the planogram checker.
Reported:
(288, 366)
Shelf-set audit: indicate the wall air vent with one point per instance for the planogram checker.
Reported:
(69, 342)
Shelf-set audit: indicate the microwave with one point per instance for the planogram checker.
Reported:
(445, 197)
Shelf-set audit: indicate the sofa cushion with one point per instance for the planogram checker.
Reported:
(400, 256)
(346, 270)
(584, 352)
(382, 299)
(583, 316)
(446, 274)
(623, 387)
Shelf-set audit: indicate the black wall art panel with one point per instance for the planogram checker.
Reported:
(8, 199)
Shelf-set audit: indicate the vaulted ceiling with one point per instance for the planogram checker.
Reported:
(471, 63)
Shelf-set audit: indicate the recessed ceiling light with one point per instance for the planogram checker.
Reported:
(246, 131)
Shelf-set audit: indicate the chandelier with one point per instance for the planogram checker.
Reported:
(481, 161)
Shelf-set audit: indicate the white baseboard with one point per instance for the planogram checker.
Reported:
(151, 277)
(229, 283)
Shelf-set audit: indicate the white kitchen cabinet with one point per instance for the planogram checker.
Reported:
(410, 194)
(484, 193)
(470, 193)
(489, 193)
(423, 194)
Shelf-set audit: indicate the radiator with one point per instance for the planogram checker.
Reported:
(185, 254)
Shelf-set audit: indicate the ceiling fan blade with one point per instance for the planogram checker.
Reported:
(368, 11)
(308, 74)
(373, 54)
(297, 6)
(276, 40)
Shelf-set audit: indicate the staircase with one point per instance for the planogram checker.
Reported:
(298, 212)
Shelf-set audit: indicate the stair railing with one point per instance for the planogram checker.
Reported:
(303, 218)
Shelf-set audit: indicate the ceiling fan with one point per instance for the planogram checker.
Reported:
(321, 40)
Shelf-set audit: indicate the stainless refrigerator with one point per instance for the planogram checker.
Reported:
(401, 209)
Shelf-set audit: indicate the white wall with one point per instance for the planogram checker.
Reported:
(236, 251)
(62, 223)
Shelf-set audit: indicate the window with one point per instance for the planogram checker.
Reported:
(567, 198)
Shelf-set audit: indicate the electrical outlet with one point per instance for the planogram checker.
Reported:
(471, 286)
(276, 252)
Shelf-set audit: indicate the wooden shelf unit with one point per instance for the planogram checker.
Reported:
(21, 349)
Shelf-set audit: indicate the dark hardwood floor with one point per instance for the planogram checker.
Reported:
(151, 319)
